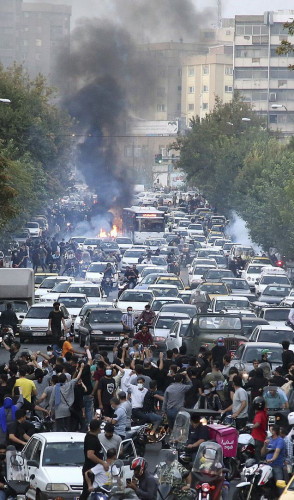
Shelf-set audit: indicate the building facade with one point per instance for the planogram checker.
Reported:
(205, 77)
(260, 74)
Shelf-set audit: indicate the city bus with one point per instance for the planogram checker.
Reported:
(141, 223)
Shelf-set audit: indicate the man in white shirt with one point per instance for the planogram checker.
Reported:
(137, 393)
(101, 477)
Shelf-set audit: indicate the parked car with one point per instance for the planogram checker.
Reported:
(157, 302)
(162, 326)
(35, 324)
(274, 315)
(273, 294)
(223, 302)
(269, 333)
(137, 299)
(249, 351)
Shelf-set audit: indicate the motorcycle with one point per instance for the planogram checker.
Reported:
(117, 490)
(7, 334)
(207, 475)
(170, 475)
(15, 486)
(258, 482)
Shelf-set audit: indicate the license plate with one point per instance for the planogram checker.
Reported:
(39, 334)
(111, 338)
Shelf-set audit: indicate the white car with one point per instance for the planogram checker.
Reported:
(60, 287)
(288, 301)
(197, 274)
(158, 302)
(252, 273)
(92, 291)
(276, 316)
(271, 333)
(163, 324)
(270, 279)
(96, 270)
(154, 243)
(34, 229)
(162, 290)
(53, 463)
(195, 229)
(124, 243)
(226, 302)
(79, 240)
(35, 324)
(177, 333)
(91, 243)
(131, 257)
(137, 299)
(48, 284)
(73, 302)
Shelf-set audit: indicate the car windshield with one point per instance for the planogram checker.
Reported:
(228, 246)
(124, 241)
(73, 302)
(39, 312)
(231, 304)
(200, 270)
(157, 304)
(92, 242)
(112, 316)
(275, 336)
(133, 253)
(197, 227)
(107, 245)
(33, 225)
(155, 243)
(61, 287)
(16, 306)
(96, 268)
(64, 453)
(39, 279)
(168, 281)
(252, 352)
(266, 280)
(217, 289)
(219, 323)
(276, 314)
(165, 323)
(89, 291)
(159, 261)
(150, 279)
(254, 270)
(279, 291)
(129, 296)
(220, 259)
(48, 283)
(237, 284)
(217, 273)
(165, 292)
(186, 309)
(199, 238)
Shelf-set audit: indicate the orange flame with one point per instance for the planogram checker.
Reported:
(102, 233)
(114, 232)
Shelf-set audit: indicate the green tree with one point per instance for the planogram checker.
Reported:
(286, 48)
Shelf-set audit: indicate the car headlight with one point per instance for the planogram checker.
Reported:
(57, 487)
(25, 328)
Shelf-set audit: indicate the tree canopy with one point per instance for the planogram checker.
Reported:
(239, 166)
(34, 146)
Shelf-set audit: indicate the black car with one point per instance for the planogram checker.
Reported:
(101, 326)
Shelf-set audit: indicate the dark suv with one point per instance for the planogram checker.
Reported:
(102, 326)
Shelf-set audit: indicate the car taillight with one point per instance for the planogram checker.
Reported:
(205, 487)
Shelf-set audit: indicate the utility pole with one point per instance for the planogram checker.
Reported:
(219, 13)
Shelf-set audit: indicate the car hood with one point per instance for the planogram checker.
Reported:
(160, 332)
(35, 322)
(271, 299)
(107, 327)
(71, 475)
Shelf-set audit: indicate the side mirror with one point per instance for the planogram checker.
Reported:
(21, 316)
(172, 335)
(32, 463)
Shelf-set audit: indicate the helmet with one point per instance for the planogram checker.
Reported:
(139, 464)
(291, 418)
(259, 403)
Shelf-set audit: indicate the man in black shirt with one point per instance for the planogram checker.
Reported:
(55, 319)
(150, 399)
(93, 453)
(198, 434)
(105, 392)
(9, 318)
(287, 356)
(16, 431)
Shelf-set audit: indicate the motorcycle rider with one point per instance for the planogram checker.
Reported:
(9, 318)
(144, 336)
(143, 483)
(131, 276)
(147, 316)
(259, 425)
(198, 434)
(174, 473)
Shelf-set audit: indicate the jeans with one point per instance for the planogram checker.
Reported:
(153, 418)
(88, 405)
(2, 495)
(278, 473)
(171, 416)
(57, 351)
(258, 446)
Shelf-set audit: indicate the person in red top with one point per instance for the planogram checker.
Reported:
(259, 425)
(144, 336)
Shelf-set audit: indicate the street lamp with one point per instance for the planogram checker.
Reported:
(5, 101)
(279, 106)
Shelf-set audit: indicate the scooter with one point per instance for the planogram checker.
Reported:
(207, 475)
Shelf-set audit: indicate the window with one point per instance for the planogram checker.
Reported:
(251, 73)
(281, 73)
(251, 29)
(206, 70)
(160, 107)
(228, 70)
(179, 88)
(191, 71)
(228, 88)
(273, 118)
(191, 90)
(179, 106)
(38, 42)
(191, 107)
(205, 105)
(205, 88)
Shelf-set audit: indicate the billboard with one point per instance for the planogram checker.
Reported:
(153, 127)
(177, 179)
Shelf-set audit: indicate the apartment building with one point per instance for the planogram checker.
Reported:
(205, 77)
(32, 34)
(260, 74)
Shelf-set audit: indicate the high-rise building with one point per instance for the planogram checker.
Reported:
(205, 77)
(260, 74)
(32, 34)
